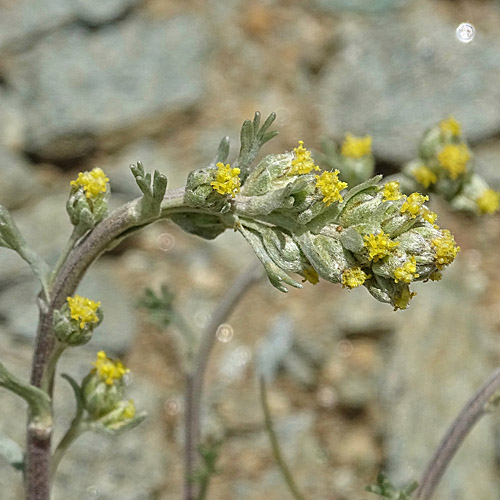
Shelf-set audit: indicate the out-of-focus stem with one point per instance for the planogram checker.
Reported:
(194, 380)
(474, 409)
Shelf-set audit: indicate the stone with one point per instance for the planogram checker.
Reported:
(396, 75)
(364, 6)
(108, 83)
(96, 12)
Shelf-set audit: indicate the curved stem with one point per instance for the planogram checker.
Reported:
(474, 409)
(114, 227)
(75, 431)
(194, 380)
(294, 490)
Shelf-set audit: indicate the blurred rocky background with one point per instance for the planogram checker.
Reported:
(357, 387)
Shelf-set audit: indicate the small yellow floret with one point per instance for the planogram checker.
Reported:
(435, 276)
(354, 277)
(407, 272)
(488, 202)
(129, 411)
(446, 249)
(429, 216)
(454, 158)
(424, 175)
(109, 370)
(302, 163)
(391, 191)
(356, 147)
(311, 275)
(83, 310)
(403, 299)
(414, 204)
(450, 126)
(379, 246)
(227, 180)
(93, 183)
(330, 186)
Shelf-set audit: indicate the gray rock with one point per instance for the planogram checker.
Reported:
(364, 6)
(18, 179)
(398, 74)
(12, 132)
(79, 87)
(96, 12)
(23, 20)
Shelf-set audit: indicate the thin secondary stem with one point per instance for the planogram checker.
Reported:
(290, 482)
(194, 380)
(71, 435)
(474, 409)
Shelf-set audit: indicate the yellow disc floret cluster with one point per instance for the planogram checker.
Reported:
(93, 183)
(83, 310)
(454, 158)
(227, 180)
(450, 126)
(356, 147)
(379, 245)
(446, 249)
(129, 411)
(414, 204)
(488, 202)
(407, 272)
(108, 370)
(424, 175)
(391, 191)
(330, 186)
(303, 162)
(354, 277)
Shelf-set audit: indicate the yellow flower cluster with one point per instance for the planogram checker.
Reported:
(446, 249)
(129, 411)
(391, 191)
(403, 299)
(330, 186)
(93, 183)
(83, 310)
(356, 147)
(450, 126)
(311, 275)
(354, 277)
(109, 370)
(454, 158)
(414, 204)
(379, 246)
(227, 180)
(302, 163)
(407, 272)
(488, 202)
(424, 175)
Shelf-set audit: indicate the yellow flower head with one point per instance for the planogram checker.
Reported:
(227, 180)
(403, 299)
(414, 204)
(488, 202)
(379, 246)
(354, 277)
(356, 147)
(129, 411)
(429, 216)
(450, 126)
(330, 186)
(407, 272)
(454, 158)
(302, 163)
(83, 310)
(446, 249)
(93, 183)
(391, 191)
(424, 175)
(435, 276)
(311, 275)
(108, 370)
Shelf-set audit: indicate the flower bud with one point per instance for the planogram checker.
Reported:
(87, 204)
(103, 387)
(75, 322)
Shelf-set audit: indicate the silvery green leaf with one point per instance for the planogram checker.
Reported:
(11, 452)
(222, 152)
(203, 225)
(351, 240)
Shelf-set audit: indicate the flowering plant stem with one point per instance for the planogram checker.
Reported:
(294, 490)
(195, 379)
(482, 402)
(104, 236)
